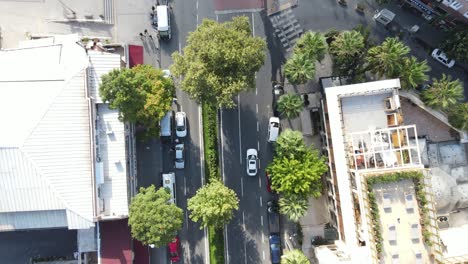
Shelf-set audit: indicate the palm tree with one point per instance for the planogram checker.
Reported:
(290, 143)
(347, 43)
(294, 257)
(293, 206)
(387, 59)
(290, 105)
(313, 45)
(299, 69)
(414, 73)
(444, 93)
(458, 116)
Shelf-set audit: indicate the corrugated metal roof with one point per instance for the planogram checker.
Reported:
(46, 142)
(101, 63)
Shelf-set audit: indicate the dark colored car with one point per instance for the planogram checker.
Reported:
(174, 249)
(275, 249)
(268, 182)
(273, 217)
(277, 92)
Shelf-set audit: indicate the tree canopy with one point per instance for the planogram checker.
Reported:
(443, 93)
(348, 51)
(388, 58)
(219, 61)
(413, 73)
(141, 94)
(295, 256)
(213, 205)
(299, 68)
(291, 175)
(456, 45)
(458, 116)
(153, 219)
(290, 143)
(312, 44)
(293, 206)
(290, 105)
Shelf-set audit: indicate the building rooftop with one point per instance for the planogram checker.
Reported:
(45, 149)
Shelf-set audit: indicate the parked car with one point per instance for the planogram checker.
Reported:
(252, 162)
(440, 56)
(168, 182)
(275, 248)
(273, 217)
(179, 156)
(181, 124)
(278, 91)
(174, 249)
(273, 128)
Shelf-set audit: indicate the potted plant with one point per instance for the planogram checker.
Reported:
(360, 7)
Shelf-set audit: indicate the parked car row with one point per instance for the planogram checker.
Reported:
(166, 134)
(274, 230)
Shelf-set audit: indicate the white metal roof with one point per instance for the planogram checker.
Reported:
(111, 139)
(45, 145)
(101, 63)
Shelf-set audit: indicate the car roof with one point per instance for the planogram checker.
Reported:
(168, 181)
(162, 14)
(173, 244)
(274, 119)
(251, 152)
(180, 118)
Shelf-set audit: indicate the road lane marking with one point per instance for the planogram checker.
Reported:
(197, 12)
(202, 150)
(242, 186)
(256, 108)
(263, 253)
(216, 17)
(261, 203)
(256, 91)
(258, 127)
(261, 219)
(226, 241)
(222, 140)
(180, 48)
(253, 24)
(260, 182)
(243, 220)
(186, 219)
(207, 253)
(185, 187)
(245, 252)
(258, 149)
(240, 135)
(263, 238)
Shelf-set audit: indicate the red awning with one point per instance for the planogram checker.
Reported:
(135, 54)
(116, 242)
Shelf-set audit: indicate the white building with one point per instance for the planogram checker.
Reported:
(364, 134)
(66, 161)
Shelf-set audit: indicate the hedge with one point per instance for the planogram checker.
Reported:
(210, 143)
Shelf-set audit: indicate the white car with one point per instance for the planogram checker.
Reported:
(273, 129)
(252, 159)
(440, 56)
(167, 73)
(179, 156)
(181, 124)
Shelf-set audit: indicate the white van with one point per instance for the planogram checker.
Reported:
(273, 129)
(166, 126)
(168, 181)
(164, 21)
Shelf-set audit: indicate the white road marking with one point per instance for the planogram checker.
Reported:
(197, 12)
(261, 203)
(245, 252)
(207, 253)
(263, 253)
(261, 220)
(242, 186)
(256, 91)
(243, 220)
(253, 24)
(180, 48)
(258, 126)
(263, 238)
(186, 219)
(258, 149)
(222, 140)
(240, 135)
(226, 243)
(216, 17)
(185, 187)
(202, 150)
(256, 108)
(260, 182)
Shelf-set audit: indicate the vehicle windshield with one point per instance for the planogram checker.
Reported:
(180, 128)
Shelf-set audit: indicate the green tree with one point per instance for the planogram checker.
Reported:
(443, 93)
(152, 218)
(219, 61)
(458, 116)
(456, 45)
(348, 51)
(213, 205)
(293, 206)
(290, 105)
(298, 176)
(312, 44)
(141, 94)
(388, 59)
(299, 69)
(413, 73)
(290, 144)
(294, 257)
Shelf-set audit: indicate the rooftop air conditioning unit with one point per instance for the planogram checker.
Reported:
(389, 104)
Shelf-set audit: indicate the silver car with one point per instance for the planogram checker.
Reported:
(179, 156)
(252, 160)
(181, 124)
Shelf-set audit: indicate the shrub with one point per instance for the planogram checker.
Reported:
(210, 136)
